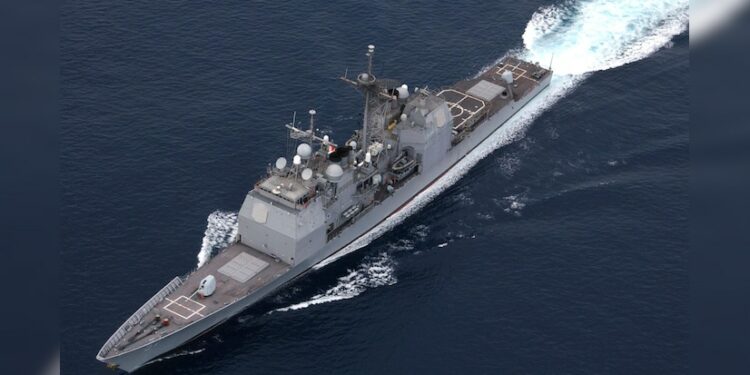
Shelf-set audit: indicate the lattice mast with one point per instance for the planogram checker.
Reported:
(372, 119)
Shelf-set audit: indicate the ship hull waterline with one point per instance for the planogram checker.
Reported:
(138, 357)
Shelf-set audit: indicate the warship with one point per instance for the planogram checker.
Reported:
(330, 194)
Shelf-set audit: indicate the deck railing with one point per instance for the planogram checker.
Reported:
(138, 316)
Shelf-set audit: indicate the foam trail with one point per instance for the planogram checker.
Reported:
(588, 36)
(640, 28)
(373, 272)
(177, 354)
(221, 230)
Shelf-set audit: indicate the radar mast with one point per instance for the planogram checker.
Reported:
(365, 82)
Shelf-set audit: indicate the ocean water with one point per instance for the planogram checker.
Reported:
(558, 246)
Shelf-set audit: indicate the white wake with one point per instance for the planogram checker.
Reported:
(181, 353)
(221, 230)
(587, 36)
(372, 273)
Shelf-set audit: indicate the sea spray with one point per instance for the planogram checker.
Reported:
(587, 36)
(374, 271)
(221, 230)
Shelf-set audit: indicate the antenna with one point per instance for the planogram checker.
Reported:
(296, 161)
(312, 124)
(291, 131)
(370, 53)
(550, 61)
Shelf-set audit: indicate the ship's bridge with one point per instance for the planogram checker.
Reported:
(289, 191)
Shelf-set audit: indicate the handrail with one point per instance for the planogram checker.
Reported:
(138, 316)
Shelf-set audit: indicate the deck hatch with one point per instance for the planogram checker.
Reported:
(485, 90)
(243, 267)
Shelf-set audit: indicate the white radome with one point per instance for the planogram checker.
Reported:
(304, 150)
(281, 163)
(334, 172)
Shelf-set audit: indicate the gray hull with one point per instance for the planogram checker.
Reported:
(138, 357)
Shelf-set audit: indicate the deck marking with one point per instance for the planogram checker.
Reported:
(515, 70)
(452, 105)
(193, 312)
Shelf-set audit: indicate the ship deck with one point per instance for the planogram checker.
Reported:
(238, 269)
(473, 99)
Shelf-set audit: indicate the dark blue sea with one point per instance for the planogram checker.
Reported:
(560, 249)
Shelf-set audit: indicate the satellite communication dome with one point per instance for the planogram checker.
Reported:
(507, 76)
(307, 174)
(334, 172)
(365, 79)
(403, 91)
(304, 150)
(297, 160)
(280, 163)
